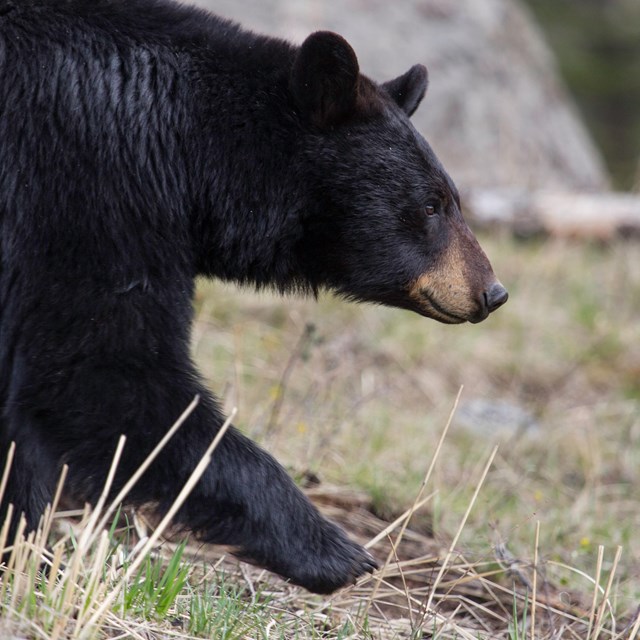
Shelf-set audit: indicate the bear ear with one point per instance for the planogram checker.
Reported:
(324, 78)
(408, 89)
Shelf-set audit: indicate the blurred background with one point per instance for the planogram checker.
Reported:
(597, 44)
(534, 109)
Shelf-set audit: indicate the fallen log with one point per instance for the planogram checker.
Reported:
(598, 216)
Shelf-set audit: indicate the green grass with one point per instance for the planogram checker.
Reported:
(154, 589)
(361, 401)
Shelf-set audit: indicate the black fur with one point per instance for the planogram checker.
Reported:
(143, 143)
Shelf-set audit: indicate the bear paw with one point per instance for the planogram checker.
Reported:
(332, 562)
(342, 570)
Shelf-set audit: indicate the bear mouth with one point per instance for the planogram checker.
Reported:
(439, 313)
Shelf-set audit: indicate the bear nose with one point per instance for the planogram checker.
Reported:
(495, 297)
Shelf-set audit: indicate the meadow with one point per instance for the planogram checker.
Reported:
(493, 468)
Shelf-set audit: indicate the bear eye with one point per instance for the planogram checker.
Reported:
(432, 209)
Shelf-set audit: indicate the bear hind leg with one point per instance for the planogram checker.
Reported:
(31, 482)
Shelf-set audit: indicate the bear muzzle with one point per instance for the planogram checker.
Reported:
(455, 305)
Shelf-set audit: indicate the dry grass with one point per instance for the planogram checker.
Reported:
(536, 539)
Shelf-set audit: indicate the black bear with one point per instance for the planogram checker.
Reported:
(143, 143)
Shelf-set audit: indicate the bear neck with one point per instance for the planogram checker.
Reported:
(250, 215)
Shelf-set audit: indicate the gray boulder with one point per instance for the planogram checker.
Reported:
(497, 113)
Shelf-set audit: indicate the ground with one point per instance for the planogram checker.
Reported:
(361, 402)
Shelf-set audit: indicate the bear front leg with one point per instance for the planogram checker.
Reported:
(246, 500)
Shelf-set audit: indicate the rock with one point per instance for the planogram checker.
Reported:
(496, 113)
(493, 419)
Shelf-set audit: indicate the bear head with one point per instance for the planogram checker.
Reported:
(387, 225)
